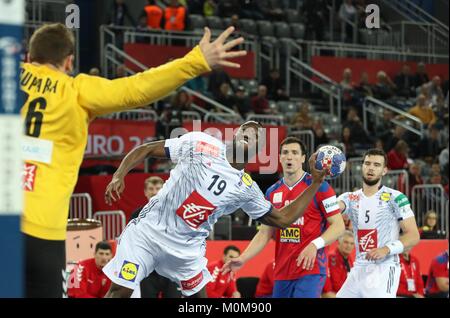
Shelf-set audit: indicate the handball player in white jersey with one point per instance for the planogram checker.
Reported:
(377, 213)
(208, 181)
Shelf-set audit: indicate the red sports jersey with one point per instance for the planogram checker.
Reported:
(292, 240)
(265, 284)
(410, 277)
(221, 286)
(438, 268)
(89, 281)
(337, 271)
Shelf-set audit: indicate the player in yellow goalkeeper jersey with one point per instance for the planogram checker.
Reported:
(57, 110)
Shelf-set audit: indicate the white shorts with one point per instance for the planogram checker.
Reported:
(138, 255)
(371, 281)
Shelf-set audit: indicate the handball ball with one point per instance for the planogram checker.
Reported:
(332, 158)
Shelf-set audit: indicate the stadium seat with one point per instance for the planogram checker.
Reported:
(287, 107)
(196, 21)
(247, 286)
(248, 26)
(292, 16)
(251, 86)
(226, 22)
(265, 29)
(297, 31)
(282, 30)
(214, 23)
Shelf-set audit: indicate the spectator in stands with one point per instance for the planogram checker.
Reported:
(364, 88)
(348, 14)
(385, 127)
(347, 86)
(234, 22)
(414, 175)
(275, 86)
(195, 6)
(421, 76)
(117, 14)
(429, 146)
(423, 111)
(435, 178)
(153, 15)
(198, 84)
(398, 134)
(94, 71)
(303, 119)
(260, 103)
(404, 82)
(320, 136)
(87, 278)
(242, 104)
(216, 79)
(121, 71)
(340, 263)
(224, 97)
(210, 8)
(142, 27)
(411, 282)
(175, 16)
(264, 289)
(398, 157)
(227, 8)
(251, 9)
(437, 282)
(349, 143)
(223, 285)
(379, 144)
(384, 88)
(155, 285)
(271, 10)
(430, 229)
(359, 134)
(314, 17)
(443, 159)
(434, 89)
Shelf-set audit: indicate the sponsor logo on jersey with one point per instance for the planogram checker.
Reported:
(28, 176)
(385, 196)
(278, 197)
(353, 197)
(193, 282)
(206, 148)
(367, 240)
(401, 200)
(330, 204)
(247, 179)
(129, 271)
(290, 235)
(195, 210)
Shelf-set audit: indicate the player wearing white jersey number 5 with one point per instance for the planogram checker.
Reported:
(377, 213)
(207, 182)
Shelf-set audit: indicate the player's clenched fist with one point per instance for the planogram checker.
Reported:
(218, 52)
(116, 186)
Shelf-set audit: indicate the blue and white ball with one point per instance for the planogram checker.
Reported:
(332, 158)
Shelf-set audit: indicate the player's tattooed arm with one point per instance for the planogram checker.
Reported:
(284, 217)
(135, 157)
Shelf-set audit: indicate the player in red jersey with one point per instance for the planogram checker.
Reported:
(223, 285)
(300, 259)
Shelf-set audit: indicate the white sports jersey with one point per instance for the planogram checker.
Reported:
(376, 220)
(202, 187)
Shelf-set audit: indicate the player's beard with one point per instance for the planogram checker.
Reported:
(371, 182)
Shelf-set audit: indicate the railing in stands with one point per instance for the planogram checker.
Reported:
(296, 67)
(113, 223)
(375, 107)
(415, 13)
(307, 136)
(426, 197)
(80, 206)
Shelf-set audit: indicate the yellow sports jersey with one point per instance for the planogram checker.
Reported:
(56, 113)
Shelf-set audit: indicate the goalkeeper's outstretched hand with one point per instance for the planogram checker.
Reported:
(218, 53)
